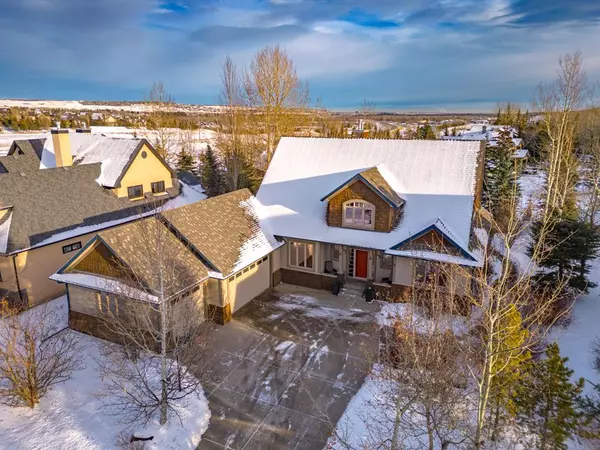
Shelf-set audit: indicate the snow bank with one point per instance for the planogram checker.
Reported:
(71, 416)
(391, 312)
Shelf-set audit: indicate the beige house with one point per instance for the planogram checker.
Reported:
(57, 192)
(223, 260)
(386, 212)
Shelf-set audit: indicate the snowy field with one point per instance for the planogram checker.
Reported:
(71, 415)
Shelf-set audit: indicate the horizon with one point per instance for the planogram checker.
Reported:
(452, 56)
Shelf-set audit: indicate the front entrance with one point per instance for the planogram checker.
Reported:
(361, 263)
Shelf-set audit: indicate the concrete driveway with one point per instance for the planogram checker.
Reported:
(288, 364)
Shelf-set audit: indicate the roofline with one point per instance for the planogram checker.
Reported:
(80, 253)
(140, 145)
(424, 231)
(126, 220)
(184, 240)
(359, 177)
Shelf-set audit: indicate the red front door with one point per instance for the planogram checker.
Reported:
(361, 261)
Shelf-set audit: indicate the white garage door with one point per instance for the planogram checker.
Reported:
(248, 283)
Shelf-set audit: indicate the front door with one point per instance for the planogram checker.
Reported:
(361, 258)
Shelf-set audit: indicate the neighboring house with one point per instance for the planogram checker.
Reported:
(371, 210)
(222, 249)
(57, 192)
(490, 133)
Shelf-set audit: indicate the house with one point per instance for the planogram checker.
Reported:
(57, 192)
(376, 210)
(223, 260)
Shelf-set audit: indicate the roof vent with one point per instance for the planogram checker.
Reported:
(22, 174)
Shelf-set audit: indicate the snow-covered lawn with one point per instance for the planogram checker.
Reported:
(71, 416)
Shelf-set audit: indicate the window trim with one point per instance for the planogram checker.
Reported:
(353, 223)
(305, 246)
(133, 187)
(74, 246)
(157, 192)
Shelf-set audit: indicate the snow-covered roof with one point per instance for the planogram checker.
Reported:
(437, 180)
(103, 284)
(5, 231)
(86, 148)
(521, 153)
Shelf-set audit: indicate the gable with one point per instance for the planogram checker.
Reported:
(433, 239)
(99, 260)
(145, 161)
(385, 215)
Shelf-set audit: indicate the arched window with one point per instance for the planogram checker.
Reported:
(359, 214)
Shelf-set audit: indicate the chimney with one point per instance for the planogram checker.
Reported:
(62, 146)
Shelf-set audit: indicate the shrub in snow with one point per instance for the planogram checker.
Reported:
(32, 357)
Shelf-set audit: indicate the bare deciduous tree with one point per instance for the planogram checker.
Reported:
(156, 312)
(559, 103)
(160, 121)
(34, 355)
(273, 88)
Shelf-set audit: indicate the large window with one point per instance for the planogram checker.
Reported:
(107, 304)
(301, 255)
(158, 187)
(135, 191)
(359, 214)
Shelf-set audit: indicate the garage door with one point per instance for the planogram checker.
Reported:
(248, 283)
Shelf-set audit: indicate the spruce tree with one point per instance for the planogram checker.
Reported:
(501, 187)
(185, 161)
(547, 402)
(567, 249)
(211, 174)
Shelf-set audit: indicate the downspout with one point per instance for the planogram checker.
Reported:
(17, 278)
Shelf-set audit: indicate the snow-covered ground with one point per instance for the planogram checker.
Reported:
(71, 415)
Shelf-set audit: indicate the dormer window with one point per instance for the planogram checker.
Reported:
(359, 214)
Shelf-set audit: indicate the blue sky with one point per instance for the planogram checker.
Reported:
(436, 55)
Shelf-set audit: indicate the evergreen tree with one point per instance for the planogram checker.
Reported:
(211, 174)
(547, 401)
(567, 249)
(185, 161)
(426, 132)
(501, 184)
(509, 366)
(590, 406)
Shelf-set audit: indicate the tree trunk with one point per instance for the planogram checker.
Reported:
(429, 429)
(32, 385)
(163, 353)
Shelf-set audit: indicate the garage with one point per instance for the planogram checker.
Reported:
(248, 283)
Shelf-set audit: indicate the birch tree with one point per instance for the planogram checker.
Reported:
(155, 312)
(559, 102)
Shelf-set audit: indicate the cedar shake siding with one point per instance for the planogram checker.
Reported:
(386, 217)
(433, 241)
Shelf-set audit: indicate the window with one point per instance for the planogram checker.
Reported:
(420, 270)
(135, 191)
(71, 247)
(387, 261)
(359, 214)
(144, 154)
(158, 187)
(336, 251)
(301, 255)
(107, 303)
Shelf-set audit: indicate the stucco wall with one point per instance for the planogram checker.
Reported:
(35, 266)
(144, 171)
(403, 271)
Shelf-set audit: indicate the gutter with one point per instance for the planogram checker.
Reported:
(17, 278)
